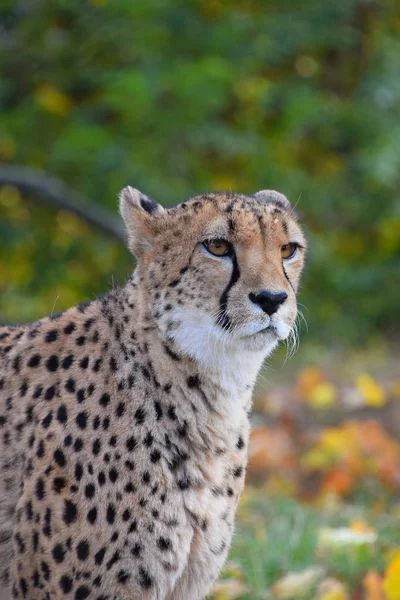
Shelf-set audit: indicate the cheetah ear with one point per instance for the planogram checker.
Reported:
(139, 213)
(273, 197)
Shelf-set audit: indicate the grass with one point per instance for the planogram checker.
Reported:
(277, 536)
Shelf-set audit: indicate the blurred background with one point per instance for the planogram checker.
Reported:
(178, 98)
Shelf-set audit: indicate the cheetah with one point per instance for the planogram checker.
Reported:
(124, 421)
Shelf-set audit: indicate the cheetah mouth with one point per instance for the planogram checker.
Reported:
(268, 329)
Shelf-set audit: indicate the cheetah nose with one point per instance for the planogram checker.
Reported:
(269, 301)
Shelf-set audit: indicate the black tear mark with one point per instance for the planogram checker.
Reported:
(286, 275)
(148, 204)
(223, 320)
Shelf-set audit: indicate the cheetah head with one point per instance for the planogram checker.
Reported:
(218, 273)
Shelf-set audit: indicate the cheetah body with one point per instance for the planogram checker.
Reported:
(124, 422)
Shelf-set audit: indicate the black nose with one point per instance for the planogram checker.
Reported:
(269, 301)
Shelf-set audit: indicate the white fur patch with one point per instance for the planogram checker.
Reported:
(226, 356)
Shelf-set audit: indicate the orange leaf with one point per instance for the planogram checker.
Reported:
(373, 586)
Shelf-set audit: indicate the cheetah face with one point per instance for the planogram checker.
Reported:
(220, 271)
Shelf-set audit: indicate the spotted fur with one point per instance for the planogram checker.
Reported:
(124, 421)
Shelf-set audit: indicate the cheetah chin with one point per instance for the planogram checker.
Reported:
(124, 421)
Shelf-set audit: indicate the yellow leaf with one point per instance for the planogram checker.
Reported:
(361, 526)
(322, 396)
(391, 581)
(52, 100)
(227, 589)
(307, 380)
(371, 391)
(331, 589)
(295, 585)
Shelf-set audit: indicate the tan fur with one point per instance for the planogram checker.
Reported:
(124, 422)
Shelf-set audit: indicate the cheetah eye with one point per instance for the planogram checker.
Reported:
(288, 250)
(218, 247)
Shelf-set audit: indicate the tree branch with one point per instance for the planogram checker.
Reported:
(52, 192)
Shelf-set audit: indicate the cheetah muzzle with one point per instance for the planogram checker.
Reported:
(124, 421)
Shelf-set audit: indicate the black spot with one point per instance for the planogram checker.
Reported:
(144, 579)
(113, 474)
(17, 364)
(96, 446)
(39, 490)
(123, 576)
(59, 484)
(51, 336)
(38, 391)
(164, 543)
(90, 490)
(171, 353)
(45, 570)
(47, 420)
(240, 443)
(105, 399)
(115, 558)
(52, 363)
(69, 328)
(126, 515)
(62, 415)
(82, 550)
(58, 553)
(82, 592)
(238, 471)
(111, 513)
(70, 385)
(184, 483)
(81, 420)
(140, 415)
(78, 445)
(120, 410)
(136, 550)
(171, 412)
(131, 443)
(80, 395)
(40, 449)
(158, 409)
(34, 361)
(80, 340)
(84, 362)
(59, 457)
(97, 365)
(67, 361)
(50, 393)
(70, 512)
(92, 515)
(148, 440)
(113, 364)
(66, 584)
(193, 381)
(99, 556)
(88, 323)
(78, 471)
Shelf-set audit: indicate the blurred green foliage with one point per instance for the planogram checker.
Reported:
(181, 97)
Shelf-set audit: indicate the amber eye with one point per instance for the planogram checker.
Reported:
(218, 247)
(288, 251)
